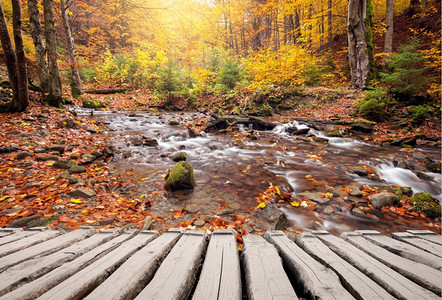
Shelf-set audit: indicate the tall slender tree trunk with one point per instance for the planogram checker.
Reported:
(8, 50)
(357, 44)
(40, 51)
(21, 101)
(76, 81)
(388, 45)
(55, 92)
(330, 24)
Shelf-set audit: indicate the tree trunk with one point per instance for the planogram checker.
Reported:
(76, 81)
(330, 25)
(8, 50)
(388, 45)
(55, 92)
(357, 44)
(21, 100)
(40, 51)
(369, 39)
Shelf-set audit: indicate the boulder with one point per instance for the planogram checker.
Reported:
(425, 203)
(88, 158)
(23, 154)
(174, 123)
(321, 140)
(277, 218)
(82, 193)
(77, 169)
(64, 164)
(181, 156)
(295, 131)
(58, 148)
(332, 130)
(181, 177)
(315, 197)
(23, 221)
(383, 199)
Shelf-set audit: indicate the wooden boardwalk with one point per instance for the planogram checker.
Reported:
(179, 264)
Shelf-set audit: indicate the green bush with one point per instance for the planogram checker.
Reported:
(313, 75)
(407, 78)
(230, 74)
(375, 105)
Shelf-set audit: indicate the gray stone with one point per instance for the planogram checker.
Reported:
(199, 223)
(82, 193)
(23, 221)
(181, 177)
(192, 209)
(360, 171)
(276, 217)
(23, 154)
(73, 180)
(58, 148)
(109, 151)
(332, 130)
(383, 199)
(77, 169)
(88, 158)
(174, 122)
(63, 164)
(320, 139)
(150, 142)
(315, 196)
(247, 228)
(328, 210)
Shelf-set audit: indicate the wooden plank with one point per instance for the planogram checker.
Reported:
(8, 231)
(396, 284)
(402, 249)
(46, 247)
(129, 279)
(419, 273)
(41, 285)
(317, 281)
(26, 242)
(265, 277)
(427, 235)
(418, 242)
(221, 274)
(83, 282)
(16, 236)
(28, 270)
(175, 277)
(357, 283)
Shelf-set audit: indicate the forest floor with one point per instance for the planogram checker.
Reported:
(56, 167)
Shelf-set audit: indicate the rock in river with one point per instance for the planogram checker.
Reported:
(181, 177)
(383, 199)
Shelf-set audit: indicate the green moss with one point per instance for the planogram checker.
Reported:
(404, 191)
(91, 103)
(425, 203)
(181, 177)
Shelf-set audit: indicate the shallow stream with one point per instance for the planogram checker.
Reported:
(231, 170)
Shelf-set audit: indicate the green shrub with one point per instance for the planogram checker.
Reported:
(407, 78)
(375, 106)
(313, 75)
(230, 74)
(420, 113)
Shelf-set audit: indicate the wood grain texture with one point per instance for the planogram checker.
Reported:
(31, 269)
(395, 283)
(402, 249)
(318, 281)
(129, 279)
(427, 235)
(23, 239)
(419, 273)
(423, 244)
(84, 281)
(264, 273)
(176, 275)
(8, 231)
(44, 283)
(221, 275)
(357, 283)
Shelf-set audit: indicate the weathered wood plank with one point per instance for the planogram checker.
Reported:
(83, 282)
(402, 249)
(418, 242)
(28, 270)
(7, 231)
(46, 247)
(129, 279)
(17, 236)
(357, 283)
(176, 275)
(221, 274)
(41, 285)
(264, 273)
(427, 235)
(396, 284)
(26, 242)
(419, 273)
(318, 281)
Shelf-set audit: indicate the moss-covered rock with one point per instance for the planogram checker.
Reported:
(91, 103)
(404, 191)
(425, 203)
(332, 131)
(181, 177)
(181, 156)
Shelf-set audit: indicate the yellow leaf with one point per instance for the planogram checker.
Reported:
(143, 195)
(261, 205)
(4, 198)
(328, 195)
(142, 179)
(78, 201)
(25, 124)
(50, 163)
(90, 221)
(277, 190)
(100, 206)
(31, 147)
(84, 211)
(78, 122)
(294, 203)
(244, 171)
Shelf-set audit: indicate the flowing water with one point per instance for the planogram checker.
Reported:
(233, 171)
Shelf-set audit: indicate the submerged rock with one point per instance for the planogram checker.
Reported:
(332, 131)
(181, 156)
(181, 177)
(277, 218)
